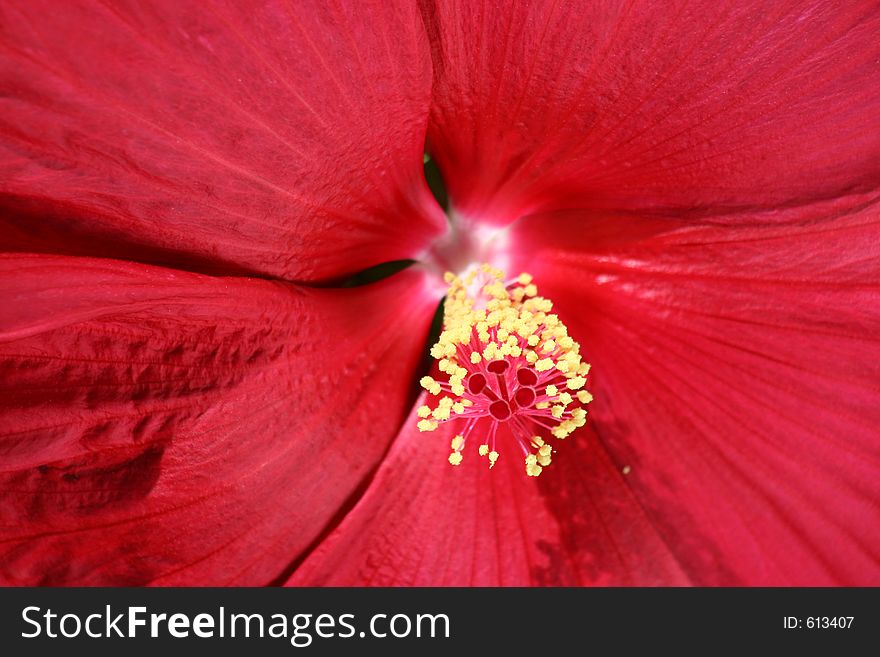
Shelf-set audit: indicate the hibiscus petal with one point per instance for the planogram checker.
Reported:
(615, 104)
(172, 428)
(735, 370)
(282, 139)
(423, 522)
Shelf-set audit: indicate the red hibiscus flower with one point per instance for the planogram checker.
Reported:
(191, 394)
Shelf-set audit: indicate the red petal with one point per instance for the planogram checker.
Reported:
(736, 371)
(283, 139)
(618, 104)
(171, 428)
(423, 522)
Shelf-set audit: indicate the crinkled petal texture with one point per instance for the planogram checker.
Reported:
(271, 138)
(730, 104)
(424, 522)
(736, 371)
(162, 427)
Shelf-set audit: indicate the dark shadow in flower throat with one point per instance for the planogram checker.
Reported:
(435, 183)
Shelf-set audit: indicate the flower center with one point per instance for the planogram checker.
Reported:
(511, 368)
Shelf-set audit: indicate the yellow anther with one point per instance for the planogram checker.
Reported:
(532, 467)
(537, 441)
(475, 357)
(575, 382)
(524, 279)
(424, 411)
(584, 397)
(533, 340)
(458, 443)
(552, 390)
(455, 458)
(542, 405)
(565, 399)
(484, 449)
(544, 364)
(548, 346)
(531, 290)
(458, 408)
(566, 342)
(493, 456)
(426, 425)
(441, 412)
(556, 411)
(430, 385)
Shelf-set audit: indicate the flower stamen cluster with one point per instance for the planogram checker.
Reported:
(510, 367)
